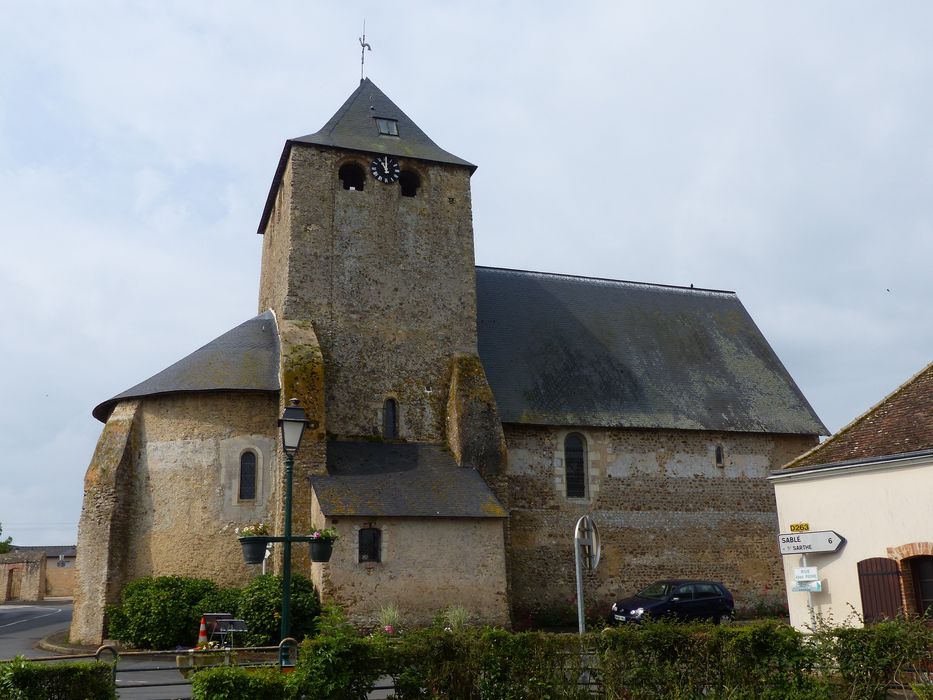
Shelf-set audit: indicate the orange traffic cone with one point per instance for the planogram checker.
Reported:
(202, 633)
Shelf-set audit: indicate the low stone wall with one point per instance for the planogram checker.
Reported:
(22, 576)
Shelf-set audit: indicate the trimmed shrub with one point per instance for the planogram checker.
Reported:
(220, 600)
(338, 665)
(25, 680)
(233, 683)
(159, 612)
(261, 604)
(869, 659)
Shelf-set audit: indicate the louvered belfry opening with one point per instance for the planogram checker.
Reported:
(879, 581)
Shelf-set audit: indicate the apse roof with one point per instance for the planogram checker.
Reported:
(564, 350)
(401, 479)
(243, 359)
(354, 127)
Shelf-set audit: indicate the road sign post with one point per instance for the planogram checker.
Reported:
(587, 549)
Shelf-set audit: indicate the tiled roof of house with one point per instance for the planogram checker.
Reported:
(901, 423)
(401, 479)
(564, 350)
(69, 550)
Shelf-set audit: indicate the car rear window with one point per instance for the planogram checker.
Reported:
(706, 590)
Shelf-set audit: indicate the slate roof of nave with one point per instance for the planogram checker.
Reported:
(573, 351)
(578, 351)
(245, 358)
(401, 479)
(353, 127)
(901, 423)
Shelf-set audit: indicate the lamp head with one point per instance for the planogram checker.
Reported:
(292, 424)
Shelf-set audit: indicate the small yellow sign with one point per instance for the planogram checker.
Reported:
(800, 527)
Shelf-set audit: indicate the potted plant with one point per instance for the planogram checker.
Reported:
(254, 539)
(322, 543)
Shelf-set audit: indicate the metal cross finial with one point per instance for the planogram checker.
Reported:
(363, 47)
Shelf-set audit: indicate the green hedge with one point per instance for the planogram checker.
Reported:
(164, 612)
(664, 661)
(25, 680)
(238, 684)
(767, 661)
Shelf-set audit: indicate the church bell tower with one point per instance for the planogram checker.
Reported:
(369, 238)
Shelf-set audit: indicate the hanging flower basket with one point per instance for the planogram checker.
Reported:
(321, 549)
(254, 549)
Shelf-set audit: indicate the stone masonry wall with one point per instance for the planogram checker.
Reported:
(103, 544)
(427, 565)
(663, 506)
(387, 281)
(22, 576)
(184, 502)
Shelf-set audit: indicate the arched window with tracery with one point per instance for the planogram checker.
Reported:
(575, 465)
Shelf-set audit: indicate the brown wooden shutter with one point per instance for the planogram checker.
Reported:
(879, 581)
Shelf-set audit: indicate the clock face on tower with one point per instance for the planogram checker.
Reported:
(385, 169)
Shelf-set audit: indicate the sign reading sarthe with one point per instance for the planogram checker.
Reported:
(807, 542)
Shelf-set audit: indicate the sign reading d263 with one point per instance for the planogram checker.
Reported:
(808, 542)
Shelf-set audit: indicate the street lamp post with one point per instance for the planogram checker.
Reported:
(292, 424)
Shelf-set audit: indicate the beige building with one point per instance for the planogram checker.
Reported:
(37, 573)
(462, 417)
(872, 483)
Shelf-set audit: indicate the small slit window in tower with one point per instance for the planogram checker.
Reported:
(390, 419)
(247, 490)
(410, 182)
(370, 544)
(575, 465)
(352, 176)
(720, 456)
(387, 127)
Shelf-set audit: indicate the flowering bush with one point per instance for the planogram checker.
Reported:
(252, 530)
(327, 533)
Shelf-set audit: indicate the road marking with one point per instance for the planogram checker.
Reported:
(30, 619)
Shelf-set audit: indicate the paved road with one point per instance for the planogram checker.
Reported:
(23, 625)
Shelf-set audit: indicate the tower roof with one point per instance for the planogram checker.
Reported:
(354, 127)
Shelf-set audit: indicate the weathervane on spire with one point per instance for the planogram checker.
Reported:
(363, 47)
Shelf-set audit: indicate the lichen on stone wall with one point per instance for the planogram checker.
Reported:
(474, 432)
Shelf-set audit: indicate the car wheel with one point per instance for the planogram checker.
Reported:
(723, 618)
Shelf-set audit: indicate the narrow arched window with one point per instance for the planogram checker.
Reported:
(390, 419)
(370, 544)
(409, 182)
(720, 456)
(247, 489)
(352, 176)
(575, 465)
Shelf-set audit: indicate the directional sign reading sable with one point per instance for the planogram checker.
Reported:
(808, 542)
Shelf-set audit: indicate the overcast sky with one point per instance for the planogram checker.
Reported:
(783, 150)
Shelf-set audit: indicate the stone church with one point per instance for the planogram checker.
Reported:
(462, 418)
